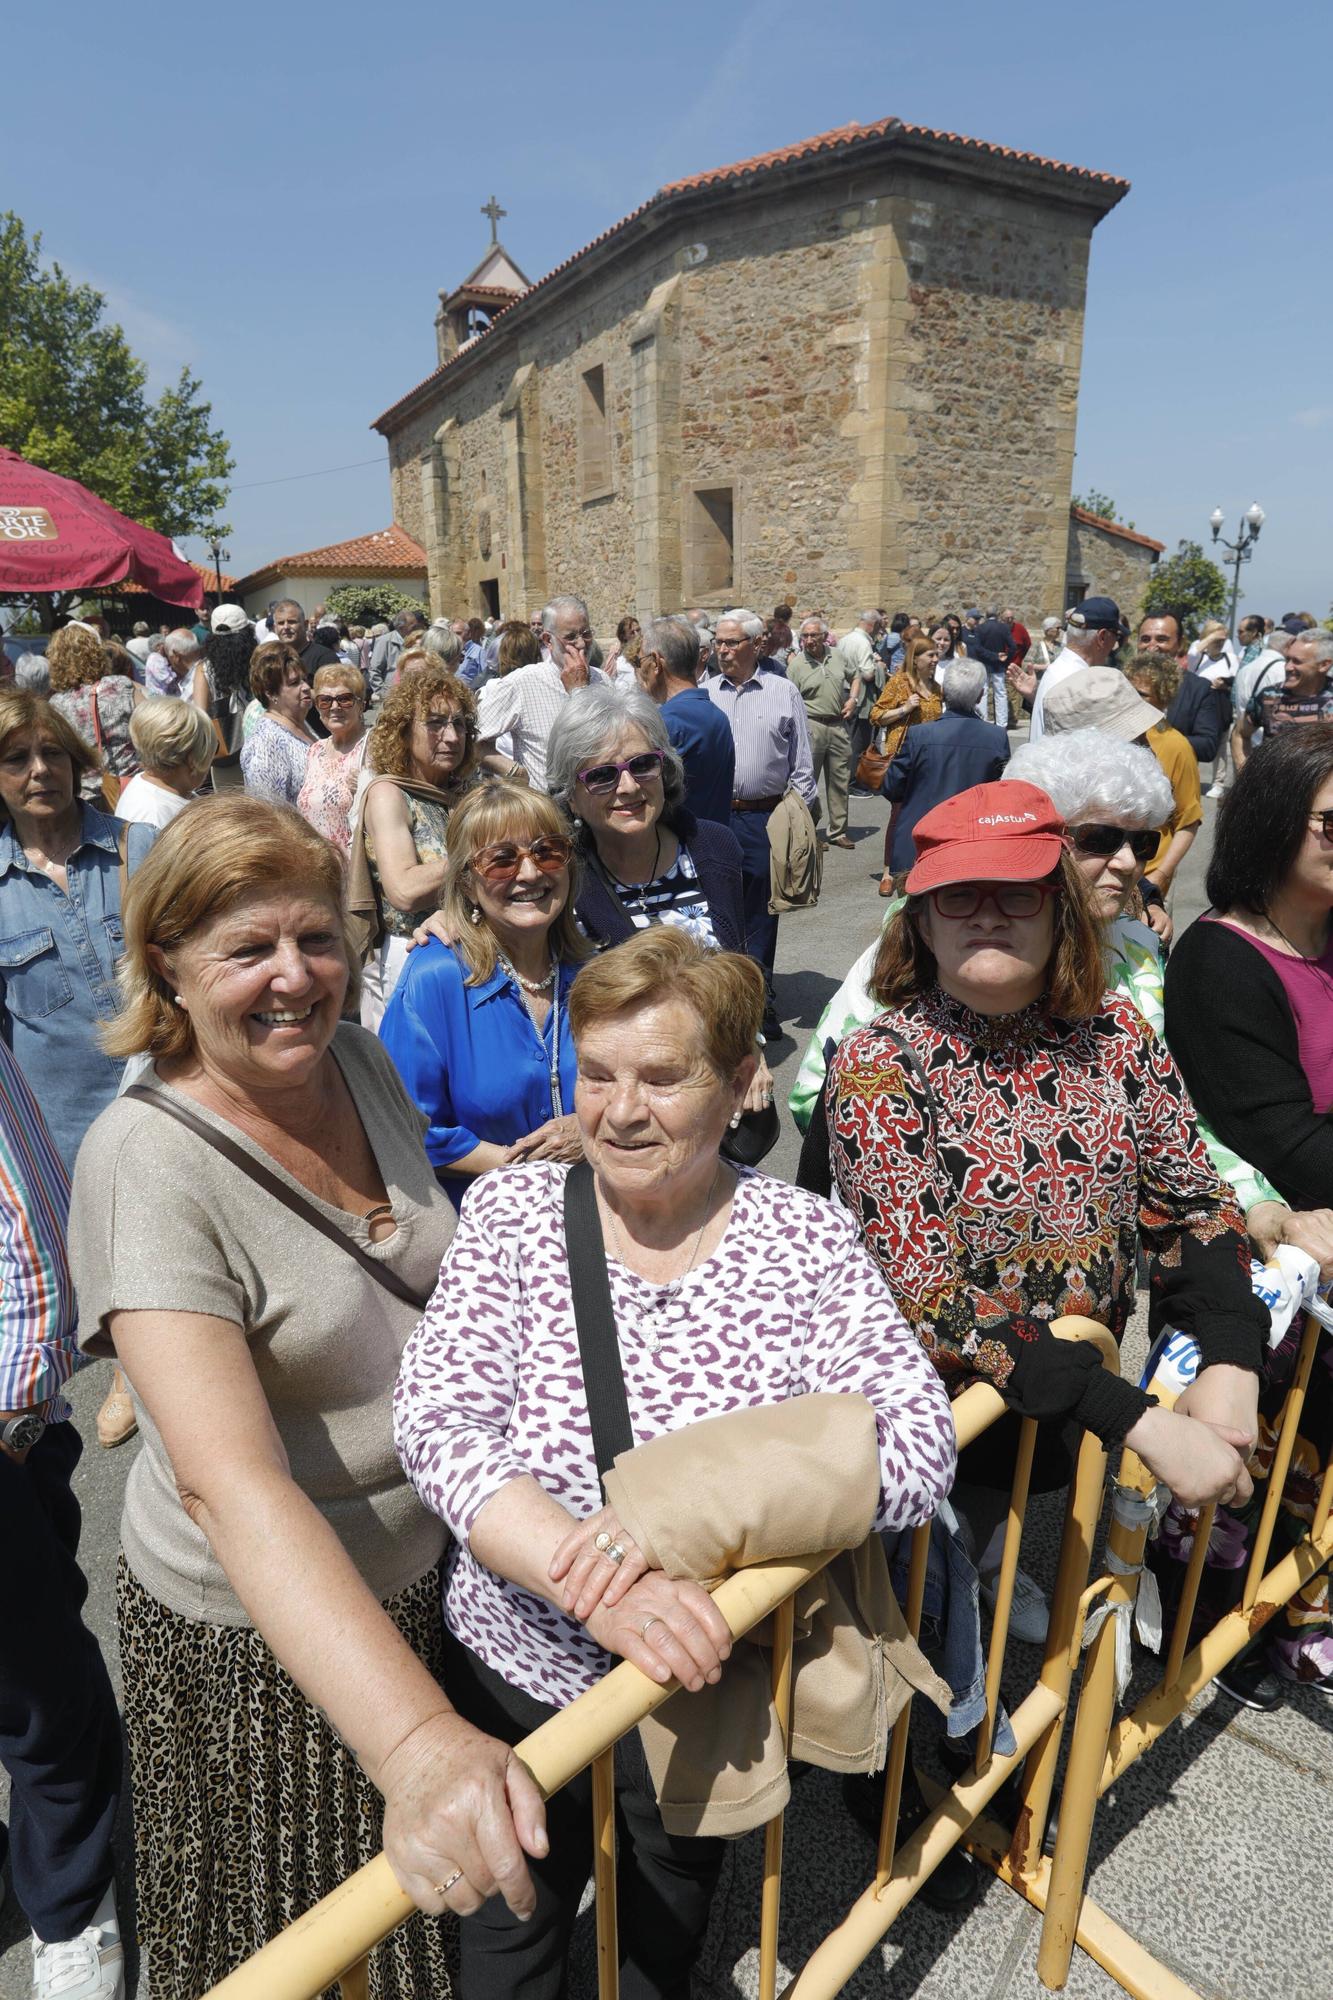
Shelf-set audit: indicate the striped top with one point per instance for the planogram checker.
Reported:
(768, 724)
(677, 896)
(37, 1310)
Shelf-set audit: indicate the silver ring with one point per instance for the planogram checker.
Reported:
(614, 1553)
(602, 1542)
(646, 1623)
(443, 1888)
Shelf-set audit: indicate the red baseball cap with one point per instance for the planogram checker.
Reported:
(1006, 832)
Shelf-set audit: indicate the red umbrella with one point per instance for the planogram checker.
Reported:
(56, 535)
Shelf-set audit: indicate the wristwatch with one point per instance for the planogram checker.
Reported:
(21, 1433)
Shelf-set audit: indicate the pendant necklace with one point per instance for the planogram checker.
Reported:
(636, 892)
(528, 985)
(1313, 963)
(669, 1293)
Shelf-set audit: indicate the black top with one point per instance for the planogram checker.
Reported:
(717, 862)
(1198, 714)
(314, 656)
(1234, 1038)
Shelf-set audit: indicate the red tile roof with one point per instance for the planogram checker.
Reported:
(842, 139)
(390, 552)
(1116, 528)
(206, 571)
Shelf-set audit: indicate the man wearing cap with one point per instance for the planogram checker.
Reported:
(1102, 698)
(1196, 708)
(991, 644)
(1093, 630)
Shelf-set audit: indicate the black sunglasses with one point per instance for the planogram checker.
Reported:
(1108, 840)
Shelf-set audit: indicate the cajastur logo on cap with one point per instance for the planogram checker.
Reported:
(1007, 819)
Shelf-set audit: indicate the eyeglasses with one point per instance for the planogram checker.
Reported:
(1108, 840)
(500, 862)
(1322, 823)
(601, 778)
(1011, 899)
(437, 724)
(335, 700)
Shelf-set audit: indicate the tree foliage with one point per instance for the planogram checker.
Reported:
(72, 398)
(1101, 504)
(1187, 583)
(369, 603)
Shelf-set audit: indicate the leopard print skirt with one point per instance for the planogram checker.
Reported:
(247, 1808)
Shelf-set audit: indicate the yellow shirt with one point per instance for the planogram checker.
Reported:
(1176, 757)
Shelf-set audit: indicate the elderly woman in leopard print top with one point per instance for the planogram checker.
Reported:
(729, 1291)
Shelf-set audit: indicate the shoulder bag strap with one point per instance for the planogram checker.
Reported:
(913, 1062)
(271, 1185)
(599, 1347)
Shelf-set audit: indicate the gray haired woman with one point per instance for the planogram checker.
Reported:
(611, 764)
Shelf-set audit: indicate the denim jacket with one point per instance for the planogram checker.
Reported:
(58, 958)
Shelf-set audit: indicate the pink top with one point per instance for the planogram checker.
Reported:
(328, 790)
(1308, 985)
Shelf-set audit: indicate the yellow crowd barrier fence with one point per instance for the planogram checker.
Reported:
(330, 1943)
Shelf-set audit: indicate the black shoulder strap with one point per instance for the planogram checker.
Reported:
(279, 1190)
(599, 1348)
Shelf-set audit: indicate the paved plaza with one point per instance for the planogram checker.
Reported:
(1212, 1851)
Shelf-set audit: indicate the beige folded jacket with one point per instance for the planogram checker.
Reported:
(761, 1485)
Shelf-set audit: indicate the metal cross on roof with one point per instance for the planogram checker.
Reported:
(494, 210)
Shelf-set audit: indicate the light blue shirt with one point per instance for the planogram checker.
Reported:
(471, 1057)
(58, 958)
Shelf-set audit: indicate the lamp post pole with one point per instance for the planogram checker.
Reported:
(1240, 550)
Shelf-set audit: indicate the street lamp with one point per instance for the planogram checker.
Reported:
(213, 537)
(1241, 549)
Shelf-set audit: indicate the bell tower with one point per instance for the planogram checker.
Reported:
(494, 284)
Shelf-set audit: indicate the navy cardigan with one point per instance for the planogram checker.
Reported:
(717, 862)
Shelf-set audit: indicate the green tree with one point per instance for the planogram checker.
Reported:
(1094, 502)
(73, 398)
(369, 603)
(1187, 583)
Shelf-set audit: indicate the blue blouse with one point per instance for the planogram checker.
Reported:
(471, 1057)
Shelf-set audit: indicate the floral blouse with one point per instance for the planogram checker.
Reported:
(328, 790)
(1004, 1183)
(273, 763)
(429, 824)
(114, 695)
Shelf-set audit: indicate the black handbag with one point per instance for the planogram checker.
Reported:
(753, 1139)
(595, 1321)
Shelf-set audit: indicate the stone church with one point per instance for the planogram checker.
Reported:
(842, 374)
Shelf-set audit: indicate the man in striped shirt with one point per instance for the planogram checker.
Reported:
(59, 1731)
(768, 727)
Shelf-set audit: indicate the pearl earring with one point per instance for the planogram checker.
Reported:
(474, 915)
(179, 1002)
(735, 1121)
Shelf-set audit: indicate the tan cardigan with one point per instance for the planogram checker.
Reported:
(759, 1485)
(796, 860)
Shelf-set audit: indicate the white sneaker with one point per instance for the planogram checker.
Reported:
(1029, 1614)
(89, 1967)
(1215, 792)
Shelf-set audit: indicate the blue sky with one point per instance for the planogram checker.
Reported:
(274, 194)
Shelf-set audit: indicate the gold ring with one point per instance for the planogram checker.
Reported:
(443, 1888)
(602, 1542)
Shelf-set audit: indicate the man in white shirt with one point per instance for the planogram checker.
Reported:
(1093, 630)
(858, 650)
(523, 705)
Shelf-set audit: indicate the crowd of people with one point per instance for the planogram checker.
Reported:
(384, 1085)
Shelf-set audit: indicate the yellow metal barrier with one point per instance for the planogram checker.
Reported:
(1102, 1748)
(329, 1944)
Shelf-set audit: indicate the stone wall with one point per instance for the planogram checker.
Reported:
(1104, 564)
(870, 379)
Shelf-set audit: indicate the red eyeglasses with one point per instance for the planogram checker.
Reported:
(501, 861)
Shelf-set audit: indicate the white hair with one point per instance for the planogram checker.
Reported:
(1089, 775)
(813, 619)
(962, 684)
(442, 642)
(1321, 641)
(1050, 624)
(32, 671)
(180, 644)
(592, 722)
(568, 602)
(751, 624)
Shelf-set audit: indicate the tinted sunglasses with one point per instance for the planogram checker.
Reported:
(606, 777)
(1321, 822)
(501, 861)
(1011, 899)
(1108, 840)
